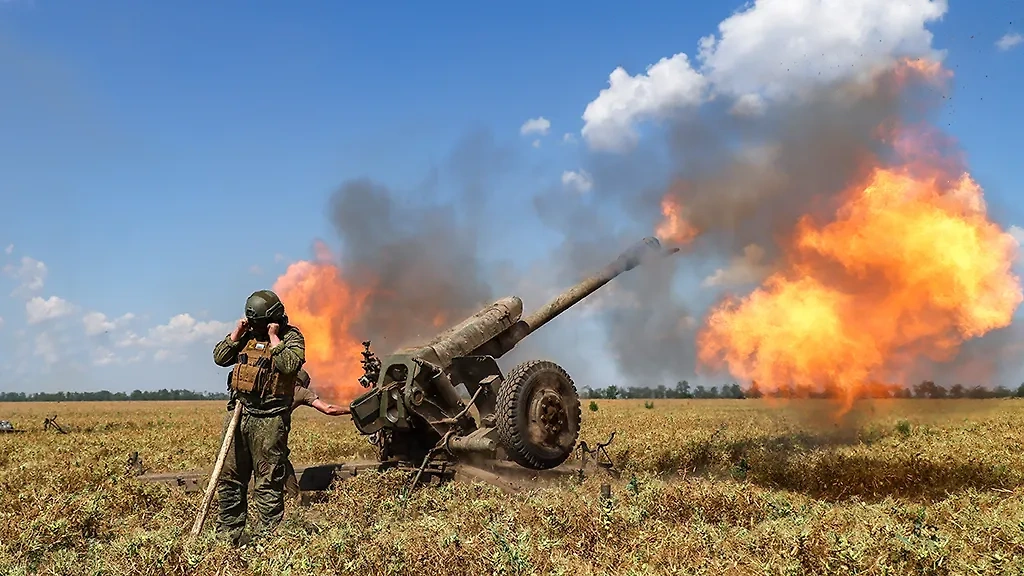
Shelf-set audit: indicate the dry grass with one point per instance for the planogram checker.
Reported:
(710, 487)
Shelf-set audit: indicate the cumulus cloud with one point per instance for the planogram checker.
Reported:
(770, 50)
(536, 144)
(779, 48)
(1018, 234)
(667, 86)
(748, 105)
(569, 138)
(180, 330)
(9, 249)
(30, 273)
(102, 356)
(580, 181)
(540, 125)
(748, 268)
(98, 323)
(1009, 40)
(39, 310)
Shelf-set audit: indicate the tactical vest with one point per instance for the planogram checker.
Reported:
(254, 372)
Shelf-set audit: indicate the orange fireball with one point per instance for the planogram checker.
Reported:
(910, 268)
(674, 227)
(324, 307)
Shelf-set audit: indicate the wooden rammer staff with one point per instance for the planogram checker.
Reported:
(208, 497)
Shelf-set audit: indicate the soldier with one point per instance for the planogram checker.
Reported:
(304, 396)
(267, 354)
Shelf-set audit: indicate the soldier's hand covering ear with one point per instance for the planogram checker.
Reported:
(240, 327)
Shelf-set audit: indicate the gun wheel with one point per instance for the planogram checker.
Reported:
(538, 415)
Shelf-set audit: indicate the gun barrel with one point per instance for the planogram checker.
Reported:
(631, 258)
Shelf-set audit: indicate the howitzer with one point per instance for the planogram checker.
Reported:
(531, 416)
(521, 425)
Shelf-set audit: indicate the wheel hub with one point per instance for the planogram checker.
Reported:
(552, 417)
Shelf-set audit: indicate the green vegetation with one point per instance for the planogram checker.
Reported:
(106, 396)
(682, 390)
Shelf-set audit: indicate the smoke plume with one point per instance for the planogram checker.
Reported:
(747, 188)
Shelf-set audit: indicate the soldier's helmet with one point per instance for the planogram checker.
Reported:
(303, 378)
(263, 307)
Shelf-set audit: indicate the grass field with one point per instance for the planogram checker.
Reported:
(709, 487)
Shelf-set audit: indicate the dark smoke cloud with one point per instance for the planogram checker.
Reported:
(744, 180)
(989, 361)
(419, 259)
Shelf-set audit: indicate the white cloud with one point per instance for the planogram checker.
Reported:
(39, 310)
(746, 269)
(1009, 40)
(31, 275)
(1018, 234)
(1, 321)
(104, 356)
(772, 49)
(536, 144)
(579, 181)
(180, 330)
(9, 249)
(539, 126)
(279, 258)
(569, 138)
(779, 47)
(667, 86)
(97, 322)
(255, 270)
(46, 348)
(165, 355)
(748, 105)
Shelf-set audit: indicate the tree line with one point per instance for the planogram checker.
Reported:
(682, 389)
(107, 396)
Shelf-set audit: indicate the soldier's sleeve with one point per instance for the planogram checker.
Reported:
(310, 397)
(304, 396)
(290, 354)
(225, 353)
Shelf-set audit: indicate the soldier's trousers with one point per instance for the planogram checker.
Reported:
(259, 451)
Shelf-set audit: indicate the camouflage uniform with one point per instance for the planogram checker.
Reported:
(303, 397)
(260, 445)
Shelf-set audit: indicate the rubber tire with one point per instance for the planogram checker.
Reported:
(512, 407)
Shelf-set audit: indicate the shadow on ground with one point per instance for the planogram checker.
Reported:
(836, 466)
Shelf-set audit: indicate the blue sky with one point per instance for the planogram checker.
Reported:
(140, 143)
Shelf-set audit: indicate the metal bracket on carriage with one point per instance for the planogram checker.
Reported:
(600, 456)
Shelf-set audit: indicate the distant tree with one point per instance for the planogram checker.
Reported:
(683, 389)
(660, 391)
(754, 391)
(957, 391)
(611, 392)
(1020, 391)
(977, 392)
(108, 396)
(926, 389)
